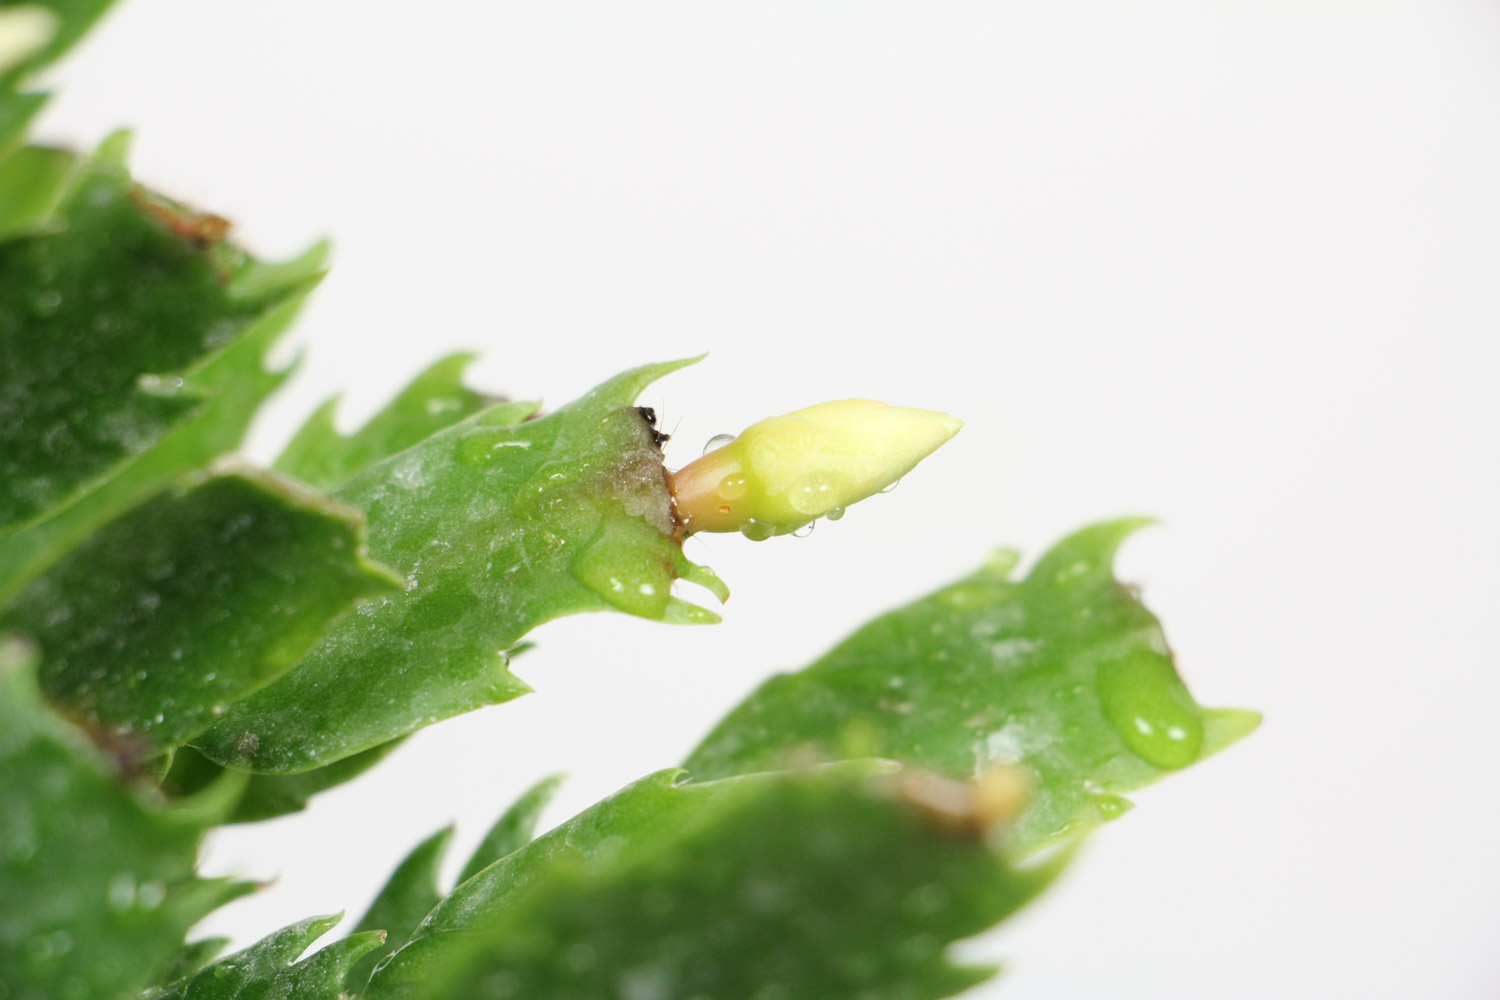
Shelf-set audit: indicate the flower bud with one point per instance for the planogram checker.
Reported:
(787, 471)
(24, 31)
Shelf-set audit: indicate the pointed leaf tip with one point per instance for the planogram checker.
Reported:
(1063, 672)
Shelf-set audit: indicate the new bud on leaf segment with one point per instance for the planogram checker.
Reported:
(785, 472)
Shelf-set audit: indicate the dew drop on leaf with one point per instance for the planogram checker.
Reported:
(1150, 708)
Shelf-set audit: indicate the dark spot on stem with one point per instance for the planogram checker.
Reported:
(648, 414)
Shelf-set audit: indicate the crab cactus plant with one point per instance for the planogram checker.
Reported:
(188, 641)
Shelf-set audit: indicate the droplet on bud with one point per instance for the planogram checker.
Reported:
(811, 496)
(733, 487)
(835, 513)
(718, 441)
(757, 531)
(805, 530)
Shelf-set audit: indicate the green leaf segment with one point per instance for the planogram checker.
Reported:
(324, 458)
(269, 970)
(96, 881)
(267, 796)
(133, 343)
(498, 524)
(192, 601)
(412, 890)
(826, 883)
(493, 524)
(102, 318)
(131, 353)
(1064, 673)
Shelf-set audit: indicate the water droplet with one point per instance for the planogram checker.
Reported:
(733, 487)
(928, 900)
(647, 983)
(920, 948)
(443, 404)
(1151, 709)
(757, 531)
(150, 895)
(891, 487)
(121, 892)
(1074, 571)
(45, 948)
(625, 579)
(502, 985)
(805, 530)
(717, 441)
(45, 303)
(580, 958)
(813, 497)
(22, 846)
(489, 444)
(834, 513)
(1111, 806)
(160, 385)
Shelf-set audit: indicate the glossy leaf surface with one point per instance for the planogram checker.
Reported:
(323, 457)
(267, 796)
(414, 888)
(220, 388)
(98, 323)
(1064, 672)
(97, 883)
(269, 970)
(194, 956)
(821, 884)
(497, 529)
(32, 181)
(407, 896)
(514, 829)
(191, 601)
(16, 113)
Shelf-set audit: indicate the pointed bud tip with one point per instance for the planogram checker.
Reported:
(784, 472)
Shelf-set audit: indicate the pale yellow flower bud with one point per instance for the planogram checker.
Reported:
(24, 31)
(787, 471)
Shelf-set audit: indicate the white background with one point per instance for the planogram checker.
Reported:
(1235, 264)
